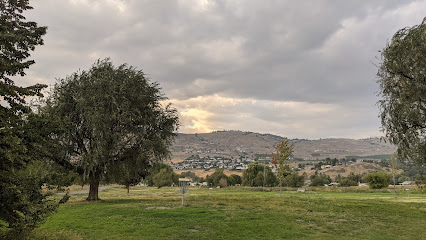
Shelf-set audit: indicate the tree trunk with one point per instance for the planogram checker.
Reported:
(394, 189)
(128, 189)
(94, 180)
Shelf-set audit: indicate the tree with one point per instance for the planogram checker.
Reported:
(294, 180)
(351, 180)
(403, 91)
(347, 182)
(284, 151)
(257, 175)
(378, 180)
(127, 173)
(111, 115)
(223, 183)
(319, 179)
(161, 174)
(190, 174)
(214, 179)
(236, 179)
(394, 167)
(18, 37)
(23, 171)
(163, 178)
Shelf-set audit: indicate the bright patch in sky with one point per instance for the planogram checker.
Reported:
(301, 69)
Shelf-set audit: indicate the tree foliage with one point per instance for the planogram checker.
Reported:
(378, 180)
(191, 175)
(111, 115)
(161, 174)
(214, 179)
(163, 178)
(18, 37)
(320, 179)
(258, 175)
(402, 81)
(294, 180)
(23, 167)
(284, 151)
(128, 173)
(235, 179)
(351, 180)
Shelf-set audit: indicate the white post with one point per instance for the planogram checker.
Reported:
(183, 194)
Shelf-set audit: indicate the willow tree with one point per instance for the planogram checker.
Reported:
(111, 116)
(402, 80)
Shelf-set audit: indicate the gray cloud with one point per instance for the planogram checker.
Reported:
(311, 52)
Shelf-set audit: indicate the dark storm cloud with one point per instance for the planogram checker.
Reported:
(311, 52)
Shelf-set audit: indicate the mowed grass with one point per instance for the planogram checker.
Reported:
(149, 213)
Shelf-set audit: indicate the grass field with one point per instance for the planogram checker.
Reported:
(233, 213)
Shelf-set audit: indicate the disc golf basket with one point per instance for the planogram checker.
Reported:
(183, 184)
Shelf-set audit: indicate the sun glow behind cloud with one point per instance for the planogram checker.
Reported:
(287, 118)
(241, 65)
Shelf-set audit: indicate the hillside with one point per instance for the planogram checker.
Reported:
(239, 143)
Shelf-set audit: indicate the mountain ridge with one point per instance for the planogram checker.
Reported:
(235, 142)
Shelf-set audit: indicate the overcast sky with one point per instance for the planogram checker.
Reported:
(300, 69)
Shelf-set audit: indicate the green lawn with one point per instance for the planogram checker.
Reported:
(149, 213)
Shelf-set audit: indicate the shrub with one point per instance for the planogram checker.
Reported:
(346, 182)
(320, 180)
(294, 180)
(378, 180)
(163, 178)
(223, 183)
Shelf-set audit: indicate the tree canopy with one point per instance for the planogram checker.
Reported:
(110, 115)
(17, 38)
(162, 174)
(23, 169)
(257, 175)
(378, 180)
(402, 81)
(284, 151)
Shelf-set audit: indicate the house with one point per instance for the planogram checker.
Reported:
(325, 166)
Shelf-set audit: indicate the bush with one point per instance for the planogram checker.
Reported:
(346, 182)
(163, 178)
(254, 176)
(294, 180)
(214, 179)
(378, 180)
(223, 183)
(235, 179)
(320, 180)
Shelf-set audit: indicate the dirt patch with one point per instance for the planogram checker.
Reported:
(159, 208)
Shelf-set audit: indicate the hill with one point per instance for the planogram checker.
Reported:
(239, 143)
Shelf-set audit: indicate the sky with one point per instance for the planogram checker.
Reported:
(298, 69)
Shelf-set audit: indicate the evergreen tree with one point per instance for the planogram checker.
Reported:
(23, 167)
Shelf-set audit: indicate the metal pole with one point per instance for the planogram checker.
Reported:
(183, 194)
